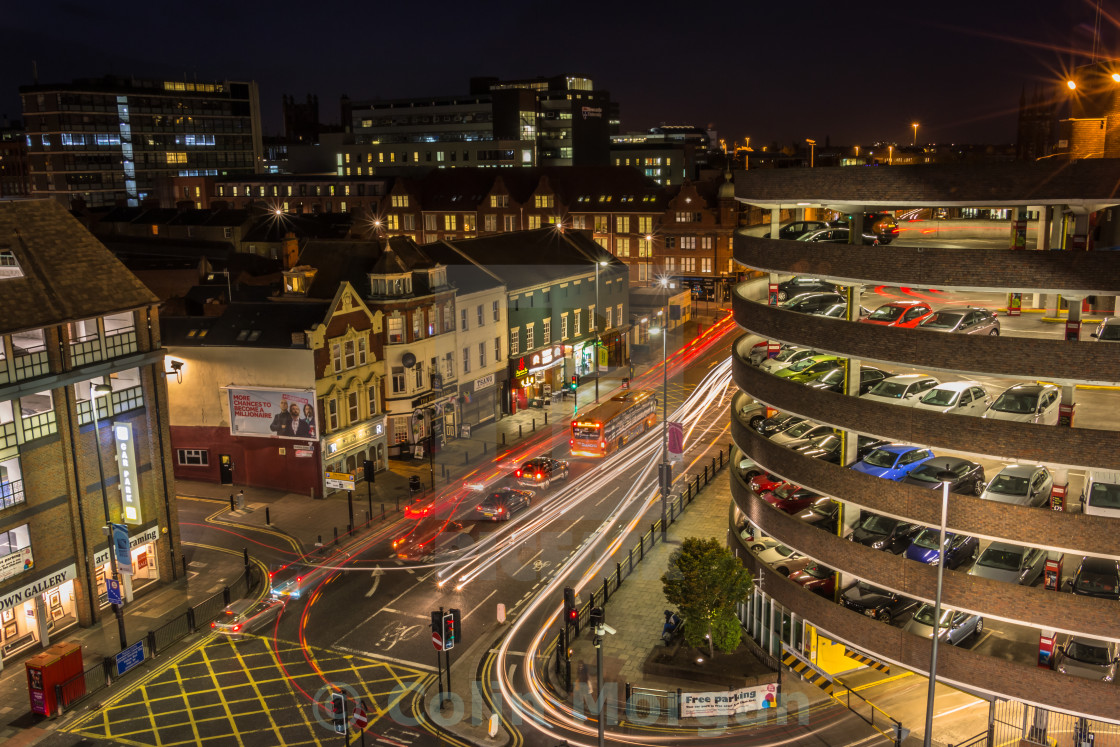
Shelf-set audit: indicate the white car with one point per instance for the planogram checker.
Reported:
(957, 397)
(786, 357)
(1108, 330)
(1027, 403)
(1101, 494)
(903, 390)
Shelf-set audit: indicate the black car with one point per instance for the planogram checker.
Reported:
(884, 533)
(837, 236)
(799, 285)
(823, 514)
(500, 504)
(968, 477)
(539, 472)
(881, 225)
(1097, 577)
(833, 381)
(791, 231)
(810, 303)
(777, 423)
(876, 603)
(827, 448)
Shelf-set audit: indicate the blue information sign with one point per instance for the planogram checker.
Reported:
(114, 588)
(130, 657)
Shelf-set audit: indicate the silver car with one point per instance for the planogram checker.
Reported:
(903, 390)
(787, 356)
(967, 321)
(1021, 484)
(1088, 658)
(801, 434)
(1012, 564)
(1108, 330)
(243, 616)
(956, 627)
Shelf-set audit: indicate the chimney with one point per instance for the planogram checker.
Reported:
(290, 250)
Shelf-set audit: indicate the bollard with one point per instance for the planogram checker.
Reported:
(618, 573)
(383, 512)
(721, 458)
(245, 555)
(184, 565)
(606, 590)
(628, 693)
(369, 518)
(231, 506)
(503, 438)
(336, 535)
(520, 432)
(534, 425)
(267, 517)
(714, 462)
(466, 457)
(546, 418)
(483, 448)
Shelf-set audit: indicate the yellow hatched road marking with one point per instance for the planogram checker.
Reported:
(292, 693)
(222, 697)
(257, 690)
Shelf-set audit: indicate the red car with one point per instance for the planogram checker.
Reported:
(899, 314)
(789, 497)
(766, 481)
(816, 578)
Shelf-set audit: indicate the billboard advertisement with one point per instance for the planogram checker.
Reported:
(272, 413)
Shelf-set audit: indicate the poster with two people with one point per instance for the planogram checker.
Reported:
(272, 413)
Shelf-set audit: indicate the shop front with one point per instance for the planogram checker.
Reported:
(34, 611)
(347, 450)
(534, 377)
(145, 566)
(478, 402)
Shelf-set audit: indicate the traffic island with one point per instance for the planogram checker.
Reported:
(737, 669)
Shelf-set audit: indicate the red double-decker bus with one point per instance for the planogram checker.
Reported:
(612, 424)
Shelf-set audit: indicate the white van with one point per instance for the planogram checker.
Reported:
(1101, 496)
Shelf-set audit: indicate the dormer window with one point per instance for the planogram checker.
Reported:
(391, 285)
(297, 281)
(437, 277)
(9, 267)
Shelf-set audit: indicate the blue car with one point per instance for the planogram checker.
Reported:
(959, 548)
(893, 461)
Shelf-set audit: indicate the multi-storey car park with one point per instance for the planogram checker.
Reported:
(1070, 204)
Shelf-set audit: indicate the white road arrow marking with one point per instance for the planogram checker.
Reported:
(376, 574)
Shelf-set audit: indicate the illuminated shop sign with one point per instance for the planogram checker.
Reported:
(126, 462)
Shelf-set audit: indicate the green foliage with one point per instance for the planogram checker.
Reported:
(706, 581)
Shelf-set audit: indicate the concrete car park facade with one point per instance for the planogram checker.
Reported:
(1067, 199)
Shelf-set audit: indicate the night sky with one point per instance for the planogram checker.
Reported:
(838, 72)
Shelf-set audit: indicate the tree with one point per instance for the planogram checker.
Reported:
(705, 581)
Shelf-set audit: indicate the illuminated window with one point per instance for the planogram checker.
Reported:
(534, 222)
(543, 201)
(622, 224)
(499, 201)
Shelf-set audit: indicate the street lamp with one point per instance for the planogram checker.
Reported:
(663, 473)
(915, 126)
(595, 321)
(945, 477)
(95, 391)
(890, 155)
(812, 147)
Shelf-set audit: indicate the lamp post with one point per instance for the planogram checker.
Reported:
(95, 391)
(945, 476)
(915, 126)
(595, 321)
(812, 148)
(664, 472)
(890, 155)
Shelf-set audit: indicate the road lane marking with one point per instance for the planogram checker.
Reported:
(527, 562)
(390, 659)
(472, 610)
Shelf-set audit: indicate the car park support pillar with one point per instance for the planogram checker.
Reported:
(775, 221)
(1042, 230)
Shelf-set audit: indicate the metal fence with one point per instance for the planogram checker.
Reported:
(1011, 721)
(83, 685)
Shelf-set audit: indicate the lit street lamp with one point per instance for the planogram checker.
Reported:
(945, 476)
(663, 473)
(95, 391)
(595, 321)
(812, 147)
(915, 126)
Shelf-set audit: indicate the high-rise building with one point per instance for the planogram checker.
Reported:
(111, 140)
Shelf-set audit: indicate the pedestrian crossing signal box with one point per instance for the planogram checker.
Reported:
(449, 631)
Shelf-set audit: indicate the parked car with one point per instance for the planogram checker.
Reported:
(968, 477)
(899, 314)
(836, 235)
(823, 513)
(1108, 330)
(827, 448)
(1101, 494)
(789, 498)
(1027, 403)
(1097, 577)
(878, 604)
(1012, 564)
(884, 533)
(765, 481)
(798, 228)
(501, 504)
(801, 433)
(241, 617)
(810, 368)
(783, 559)
(787, 356)
(881, 225)
(833, 380)
(1022, 484)
(893, 461)
(902, 390)
(540, 472)
(810, 303)
(1087, 657)
(967, 321)
(957, 398)
(798, 285)
(959, 548)
(777, 423)
(955, 627)
(816, 578)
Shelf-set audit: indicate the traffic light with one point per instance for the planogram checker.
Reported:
(596, 618)
(367, 465)
(451, 632)
(575, 382)
(665, 477)
(571, 612)
(437, 627)
(338, 712)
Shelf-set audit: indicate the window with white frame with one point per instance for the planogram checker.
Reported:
(395, 329)
(482, 355)
(371, 400)
(419, 368)
(564, 326)
(463, 320)
(14, 540)
(705, 264)
(534, 222)
(707, 242)
(645, 224)
(643, 273)
(481, 318)
(490, 223)
(185, 457)
(349, 354)
(607, 320)
(509, 223)
(688, 242)
(398, 379)
(546, 332)
(332, 414)
(618, 313)
(622, 224)
(622, 247)
(449, 365)
(684, 217)
(11, 482)
(670, 264)
(361, 351)
(336, 356)
(496, 311)
(497, 348)
(514, 341)
(352, 408)
(688, 264)
(530, 330)
(466, 361)
(417, 324)
(578, 312)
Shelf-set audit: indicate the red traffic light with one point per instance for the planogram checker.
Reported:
(573, 614)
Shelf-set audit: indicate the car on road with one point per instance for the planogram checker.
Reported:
(810, 368)
(968, 477)
(956, 398)
(244, 616)
(1021, 484)
(1012, 564)
(959, 548)
(1089, 658)
(1027, 403)
(1108, 330)
(833, 380)
(791, 231)
(893, 461)
(811, 303)
(789, 497)
(1097, 577)
(501, 504)
(966, 321)
(816, 578)
(431, 535)
(955, 627)
(798, 285)
(823, 513)
(837, 235)
(883, 533)
(777, 423)
(827, 448)
(800, 433)
(878, 604)
(787, 356)
(903, 390)
(906, 314)
(540, 472)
